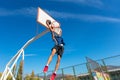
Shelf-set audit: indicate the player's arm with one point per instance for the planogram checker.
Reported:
(48, 22)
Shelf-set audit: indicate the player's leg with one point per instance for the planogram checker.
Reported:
(51, 56)
(49, 60)
(60, 52)
(56, 68)
(57, 63)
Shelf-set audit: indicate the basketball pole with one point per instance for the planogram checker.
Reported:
(13, 61)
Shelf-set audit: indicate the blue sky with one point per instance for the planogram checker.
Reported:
(90, 28)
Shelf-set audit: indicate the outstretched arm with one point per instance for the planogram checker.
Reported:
(52, 34)
(48, 22)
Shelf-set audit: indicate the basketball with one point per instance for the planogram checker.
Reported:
(55, 24)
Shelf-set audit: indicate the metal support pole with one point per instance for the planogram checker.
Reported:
(23, 64)
(104, 65)
(44, 76)
(63, 74)
(13, 61)
(89, 71)
(74, 72)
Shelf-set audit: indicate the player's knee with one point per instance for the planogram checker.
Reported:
(54, 50)
(58, 60)
(52, 55)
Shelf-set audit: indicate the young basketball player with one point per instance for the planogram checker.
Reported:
(57, 49)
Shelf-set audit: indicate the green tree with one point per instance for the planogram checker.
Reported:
(27, 77)
(14, 70)
(0, 74)
(20, 71)
(32, 76)
(9, 77)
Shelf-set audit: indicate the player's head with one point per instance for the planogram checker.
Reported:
(55, 24)
(58, 31)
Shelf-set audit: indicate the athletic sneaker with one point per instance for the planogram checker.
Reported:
(45, 69)
(53, 76)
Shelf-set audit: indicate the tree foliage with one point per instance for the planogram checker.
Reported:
(20, 71)
(0, 74)
(32, 76)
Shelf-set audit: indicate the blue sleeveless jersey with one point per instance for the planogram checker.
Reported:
(59, 40)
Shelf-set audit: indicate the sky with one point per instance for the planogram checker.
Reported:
(90, 28)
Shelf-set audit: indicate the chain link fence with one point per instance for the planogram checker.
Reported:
(110, 65)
